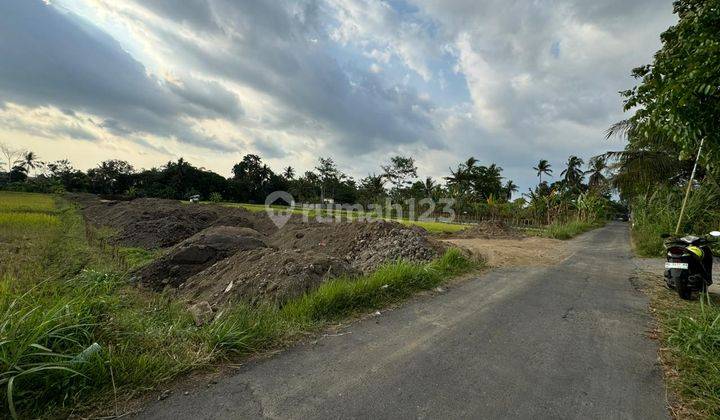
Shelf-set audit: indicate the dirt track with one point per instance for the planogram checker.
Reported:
(565, 341)
(520, 252)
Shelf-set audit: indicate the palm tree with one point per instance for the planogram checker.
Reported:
(573, 174)
(30, 162)
(596, 169)
(543, 167)
(470, 163)
(429, 187)
(289, 172)
(510, 188)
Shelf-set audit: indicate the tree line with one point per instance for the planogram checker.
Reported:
(477, 190)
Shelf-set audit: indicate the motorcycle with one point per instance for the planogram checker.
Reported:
(688, 267)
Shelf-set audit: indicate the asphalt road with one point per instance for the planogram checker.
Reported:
(567, 341)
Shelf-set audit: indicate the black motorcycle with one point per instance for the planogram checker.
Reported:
(689, 263)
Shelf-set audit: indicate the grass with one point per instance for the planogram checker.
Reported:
(60, 295)
(26, 202)
(569, 229)
(657, 213)
(689, 333)
(566, 230)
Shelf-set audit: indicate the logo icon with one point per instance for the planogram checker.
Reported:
(279, 217)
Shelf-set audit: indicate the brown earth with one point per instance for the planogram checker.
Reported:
(156, 223)
(524, 252)
(219, 254)
(494, 229)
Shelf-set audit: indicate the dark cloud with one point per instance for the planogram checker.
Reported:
(280, 49)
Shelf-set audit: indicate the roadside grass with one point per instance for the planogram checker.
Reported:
(570, 229)
(689, 333)
(566, 230)
(62, 294)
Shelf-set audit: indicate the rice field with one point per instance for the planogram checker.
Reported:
(26, 202)
(26, 215)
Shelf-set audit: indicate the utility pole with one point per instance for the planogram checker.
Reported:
(687, 192)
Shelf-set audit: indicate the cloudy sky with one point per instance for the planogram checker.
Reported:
(506, 81)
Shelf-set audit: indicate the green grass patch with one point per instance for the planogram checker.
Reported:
(434, 227)
(566, 230)
(137, 257)
(690, 350)
(74, 332)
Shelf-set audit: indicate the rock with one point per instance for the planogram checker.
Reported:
(164, 394)
(201, 312)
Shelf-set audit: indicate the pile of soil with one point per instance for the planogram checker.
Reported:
(264, 275)
(156, 223)
(491, 229)
(197, 253)
(218, 254)
(364, 245)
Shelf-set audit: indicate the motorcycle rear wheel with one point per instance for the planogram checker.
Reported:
(683, 290)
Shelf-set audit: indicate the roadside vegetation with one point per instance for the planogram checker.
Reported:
(74, 332)
(689, 332)
(676, 108)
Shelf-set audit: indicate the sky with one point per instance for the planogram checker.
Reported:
(149, 81)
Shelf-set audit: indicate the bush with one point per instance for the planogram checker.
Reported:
(216, 197)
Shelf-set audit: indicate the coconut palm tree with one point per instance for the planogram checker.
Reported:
(573, 174)
(289, 172)
(510, 188)
(429, 187)
(30, 162)
(597, 168)
(543, 167)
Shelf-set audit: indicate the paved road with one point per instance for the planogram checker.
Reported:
(561, 342)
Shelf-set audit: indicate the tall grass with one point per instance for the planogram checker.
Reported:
(569, 229)
(74, 334)
(657, 212)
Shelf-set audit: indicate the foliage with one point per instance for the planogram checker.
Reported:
(678, 98)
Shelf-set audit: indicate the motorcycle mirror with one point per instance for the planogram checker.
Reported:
(715, 233)
(664, 235)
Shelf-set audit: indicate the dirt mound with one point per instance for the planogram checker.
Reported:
(197, 253)
(221, 254)
(490, 229)
(365, 245)
(267, 275)
(156, 223)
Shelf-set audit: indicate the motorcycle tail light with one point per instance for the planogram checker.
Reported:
(677, 252)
